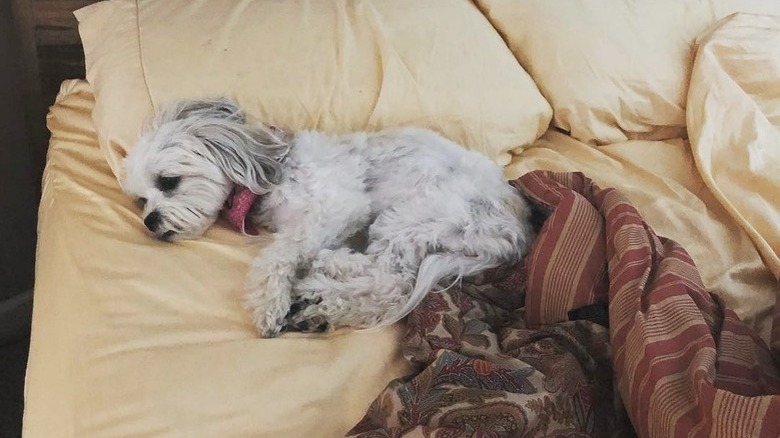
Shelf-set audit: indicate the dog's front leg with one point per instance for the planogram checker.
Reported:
(270, 281)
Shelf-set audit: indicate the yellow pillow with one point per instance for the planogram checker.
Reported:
(332, 65)
(613, 70)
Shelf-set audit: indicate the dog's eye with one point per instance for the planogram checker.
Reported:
(168, 183)
(141, 202)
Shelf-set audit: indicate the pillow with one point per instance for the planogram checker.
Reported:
(330, 65)
(613, 70)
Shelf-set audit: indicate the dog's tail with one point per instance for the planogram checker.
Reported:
(433, 269)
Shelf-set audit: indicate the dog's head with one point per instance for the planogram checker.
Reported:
(188, 159)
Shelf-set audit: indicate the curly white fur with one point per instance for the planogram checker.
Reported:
(428, 208)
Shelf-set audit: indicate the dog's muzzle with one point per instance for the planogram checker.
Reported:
(153, 221)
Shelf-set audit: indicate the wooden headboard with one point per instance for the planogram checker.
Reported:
(50, 52)
(49, 33)
(39, 47)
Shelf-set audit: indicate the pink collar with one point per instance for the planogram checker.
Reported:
(237, 208)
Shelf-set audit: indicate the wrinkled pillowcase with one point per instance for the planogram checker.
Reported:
(312, 64)
(613, 70)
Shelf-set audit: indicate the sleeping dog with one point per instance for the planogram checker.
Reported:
(431, 210)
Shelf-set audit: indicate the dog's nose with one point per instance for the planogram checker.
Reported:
(152, 221)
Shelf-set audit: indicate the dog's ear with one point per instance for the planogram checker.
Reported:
(219, 108)
(248, 155)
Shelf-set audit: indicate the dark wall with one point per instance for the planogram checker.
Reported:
(18, 188)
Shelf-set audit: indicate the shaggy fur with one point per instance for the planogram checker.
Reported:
(428, 210)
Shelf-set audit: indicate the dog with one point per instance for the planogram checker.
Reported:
(428, 208)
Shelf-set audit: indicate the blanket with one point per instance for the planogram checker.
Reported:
(604, 329)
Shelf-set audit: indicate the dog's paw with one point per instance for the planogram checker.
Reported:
(268, 300)
(316, 324)
(266, 321)
(269, 326)
(269, 317)
(305, 317)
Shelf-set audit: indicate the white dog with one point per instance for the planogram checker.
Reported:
(430, 209)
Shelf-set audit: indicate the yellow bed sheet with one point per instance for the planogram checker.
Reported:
(132, 337)
(734, 123)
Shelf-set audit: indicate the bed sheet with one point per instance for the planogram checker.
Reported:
(734, 123)
(134, 337)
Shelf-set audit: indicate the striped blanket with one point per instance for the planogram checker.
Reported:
(603, 330)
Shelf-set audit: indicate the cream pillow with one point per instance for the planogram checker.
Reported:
(333, 65)
(613, 70)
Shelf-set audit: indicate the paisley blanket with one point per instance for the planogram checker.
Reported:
(603, 330)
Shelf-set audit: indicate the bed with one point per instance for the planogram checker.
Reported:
(134, 337)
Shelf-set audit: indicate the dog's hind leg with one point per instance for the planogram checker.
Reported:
(325, 273)
(348, 289)
(361, 290)
(273, 275)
